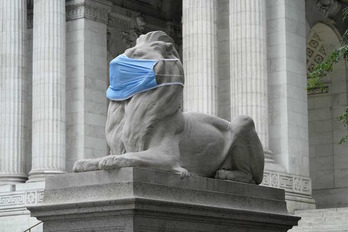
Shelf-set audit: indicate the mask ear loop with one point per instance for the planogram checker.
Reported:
(170, 59)
(179, 82)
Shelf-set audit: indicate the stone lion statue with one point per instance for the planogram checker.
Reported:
(149, 129)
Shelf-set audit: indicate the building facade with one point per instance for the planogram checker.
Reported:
(240, 57)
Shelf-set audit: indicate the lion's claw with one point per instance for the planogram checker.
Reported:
(182, 172)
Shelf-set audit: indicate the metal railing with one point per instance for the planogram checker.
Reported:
(29, 229)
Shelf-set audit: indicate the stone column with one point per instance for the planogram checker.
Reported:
(248, 65)
(199, 56)
(13, 28)
(48, 133)
(287, 84)
(288, 119)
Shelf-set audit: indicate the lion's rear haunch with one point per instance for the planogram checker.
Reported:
(248, 138)
(230, 151)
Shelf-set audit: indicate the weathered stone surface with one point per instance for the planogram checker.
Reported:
(134, 199)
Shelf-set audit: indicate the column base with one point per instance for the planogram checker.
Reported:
(40, 175)
(12, 178)
(270, 164)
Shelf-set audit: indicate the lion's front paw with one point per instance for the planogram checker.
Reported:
(78, 166)
(182, 172)
(113, 162)
(221, 174)
(85, 165)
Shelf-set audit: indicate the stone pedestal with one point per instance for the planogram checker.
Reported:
(134, 199)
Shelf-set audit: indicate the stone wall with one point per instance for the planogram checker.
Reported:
(86, 84)
(328, 158)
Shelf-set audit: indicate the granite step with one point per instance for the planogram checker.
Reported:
(328, 220)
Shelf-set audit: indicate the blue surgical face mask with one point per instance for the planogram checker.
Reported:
(131, 76)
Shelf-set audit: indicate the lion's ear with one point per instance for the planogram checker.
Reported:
(169, 48)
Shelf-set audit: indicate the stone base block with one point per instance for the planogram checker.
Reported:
(135, 199)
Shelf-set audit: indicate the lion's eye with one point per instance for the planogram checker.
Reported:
(138, 54)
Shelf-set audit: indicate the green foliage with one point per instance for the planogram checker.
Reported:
(324, 68)
(315, 78)
(344, 119)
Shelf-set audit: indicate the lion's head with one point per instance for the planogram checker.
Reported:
(157, 45)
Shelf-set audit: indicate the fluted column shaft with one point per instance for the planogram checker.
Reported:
(13, 17)
(199, 56)
(249, 63)
(48, 145)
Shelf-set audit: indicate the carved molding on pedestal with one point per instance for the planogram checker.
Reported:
(289, 182)
(20, 199)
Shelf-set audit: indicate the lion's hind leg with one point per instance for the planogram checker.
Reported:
(245, 159)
